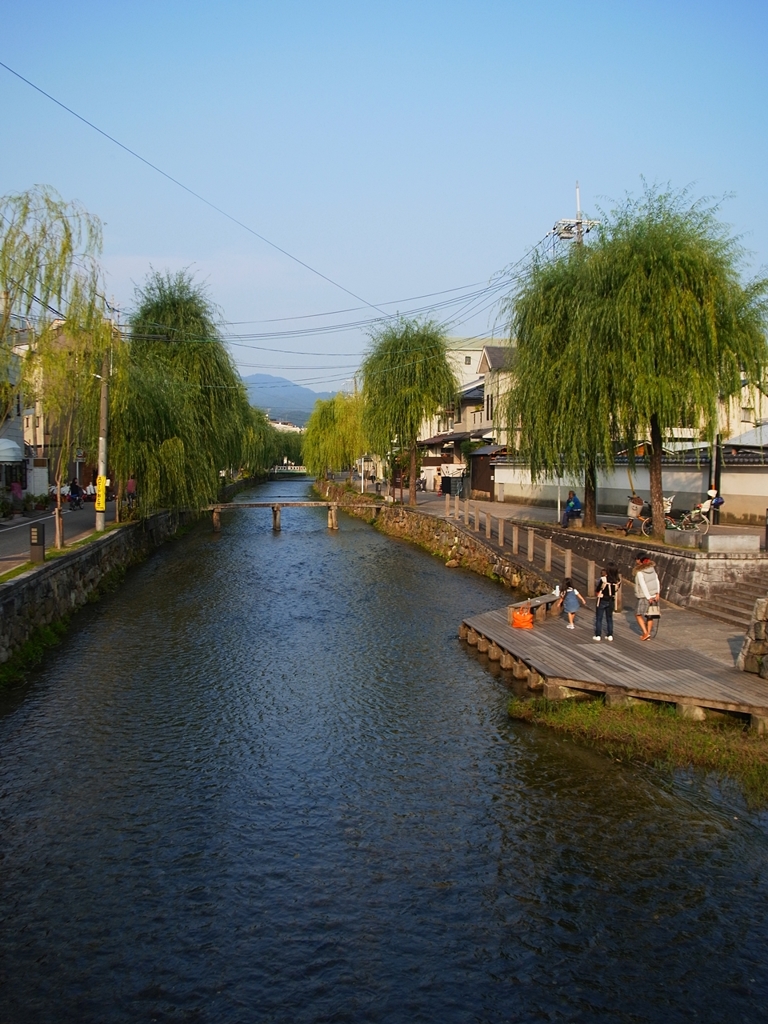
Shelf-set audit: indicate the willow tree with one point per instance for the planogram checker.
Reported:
(334, 438)
(407, 379)
(179, 413)
(646, 327)
(49, 251)
(675, 329)
(559, 405)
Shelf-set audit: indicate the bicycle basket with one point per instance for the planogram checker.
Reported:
(668, 504)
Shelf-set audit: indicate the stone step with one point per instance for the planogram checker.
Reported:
(734, 617)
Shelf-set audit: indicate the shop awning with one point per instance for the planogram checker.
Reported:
(10, 451)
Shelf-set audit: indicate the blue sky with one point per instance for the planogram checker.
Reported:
(398, 148)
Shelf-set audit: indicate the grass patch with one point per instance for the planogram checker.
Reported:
(650, 733)
(32, 652)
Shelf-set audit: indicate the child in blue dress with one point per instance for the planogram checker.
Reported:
(570, 601)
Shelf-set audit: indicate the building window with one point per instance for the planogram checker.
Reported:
(467, 360)
(747, 414)
(489, 407)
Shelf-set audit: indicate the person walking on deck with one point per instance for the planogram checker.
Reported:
(647, 591)
(570, 601)
(605, 601)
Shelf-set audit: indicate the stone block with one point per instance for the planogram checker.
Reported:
(680, 539)
(760, 611)
(759, 648)
(758, 630)
(759, 724)
(751, 664)
(763, 673)
(731, 542)
(692, 712)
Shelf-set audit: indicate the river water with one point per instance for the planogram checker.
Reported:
(264, 781)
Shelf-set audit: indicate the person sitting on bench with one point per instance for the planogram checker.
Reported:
(572, 509)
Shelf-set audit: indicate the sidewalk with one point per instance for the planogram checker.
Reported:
(434, 504)
(14, 533)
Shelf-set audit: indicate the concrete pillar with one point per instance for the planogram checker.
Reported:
(447, 506)
(483, 644)
(472, 638)
(494, 652)
(330, 517)
(590, 578)
(507, 660)
(477, 518)
(548, 555)
(568, 559)
(515, 540)
(276, 518)
(501, 532)
(456, 506)
(531, 544)
(463, 630)
(217, 520)
(335, 515)
(759, 724)
(620, 700)
(488, 525)
(466, 511)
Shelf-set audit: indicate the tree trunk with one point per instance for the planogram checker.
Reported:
(590, 494)
(657, 487)
(412, 482)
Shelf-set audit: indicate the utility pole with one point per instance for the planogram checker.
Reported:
(574, 230)
(101, 478)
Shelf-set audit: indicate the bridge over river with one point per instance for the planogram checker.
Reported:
(264, 781)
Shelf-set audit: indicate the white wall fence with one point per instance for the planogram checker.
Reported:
(745, 488)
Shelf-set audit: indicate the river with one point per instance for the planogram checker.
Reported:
(263, 781)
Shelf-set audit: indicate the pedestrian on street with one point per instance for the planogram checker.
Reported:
(647, 591)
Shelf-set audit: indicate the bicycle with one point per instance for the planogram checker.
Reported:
(646, 521)
(699, 518)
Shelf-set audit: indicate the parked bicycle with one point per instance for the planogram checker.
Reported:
(643, 515)
(700, 517)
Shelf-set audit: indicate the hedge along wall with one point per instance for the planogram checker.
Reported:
(54, 590)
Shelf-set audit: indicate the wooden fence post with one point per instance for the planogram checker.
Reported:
(531, 543)
(548, 555)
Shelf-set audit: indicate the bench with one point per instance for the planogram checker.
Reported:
(540, 606)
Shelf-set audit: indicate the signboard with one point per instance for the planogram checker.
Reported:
(101, 494)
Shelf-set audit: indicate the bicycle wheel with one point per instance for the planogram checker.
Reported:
(647, 527)
(687, 523)
(702, 524)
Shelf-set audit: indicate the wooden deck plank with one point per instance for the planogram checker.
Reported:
(658, 670)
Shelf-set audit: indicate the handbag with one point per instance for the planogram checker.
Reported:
(522, 618)
(654, 611)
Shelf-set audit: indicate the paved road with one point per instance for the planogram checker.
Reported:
(14, 533)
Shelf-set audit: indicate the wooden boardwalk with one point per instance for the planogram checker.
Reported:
(569, 663)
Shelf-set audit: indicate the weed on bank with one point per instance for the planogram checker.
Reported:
(654, 734)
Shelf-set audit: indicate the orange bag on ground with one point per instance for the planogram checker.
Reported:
(522, 618)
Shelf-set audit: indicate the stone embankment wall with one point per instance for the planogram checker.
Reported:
(753, 656)
(688, 578)
(445, 540)
(60, 586)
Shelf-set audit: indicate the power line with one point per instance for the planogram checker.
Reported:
(186, 188)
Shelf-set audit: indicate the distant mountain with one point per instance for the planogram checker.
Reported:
(281, 398)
